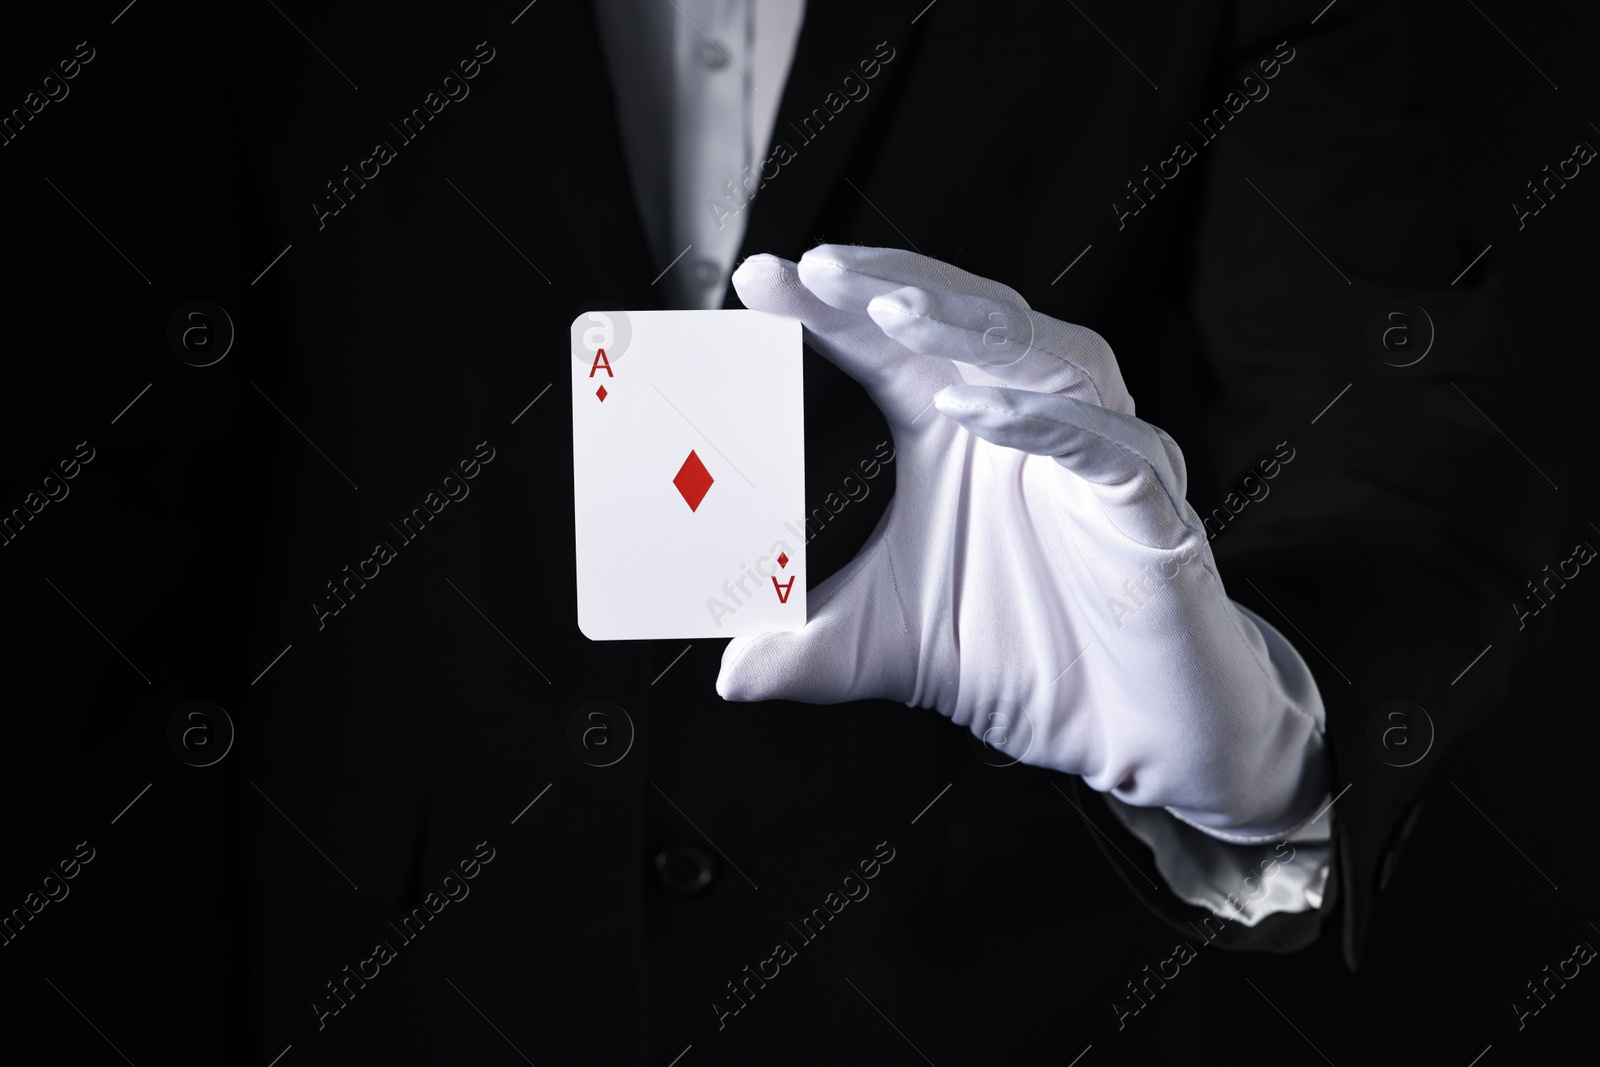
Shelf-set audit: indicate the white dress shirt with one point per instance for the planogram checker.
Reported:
(697, 86)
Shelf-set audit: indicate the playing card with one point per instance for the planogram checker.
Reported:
(688, 463)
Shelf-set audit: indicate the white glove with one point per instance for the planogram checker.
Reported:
(1039, 576)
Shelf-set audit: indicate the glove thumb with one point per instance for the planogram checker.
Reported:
(855, 646)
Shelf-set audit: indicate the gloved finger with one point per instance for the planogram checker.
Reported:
(1134, 470)
(1021, 347)
(853, 647)
(901, 383)
(849, 276)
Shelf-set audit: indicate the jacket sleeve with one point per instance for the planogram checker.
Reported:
(1338, 327)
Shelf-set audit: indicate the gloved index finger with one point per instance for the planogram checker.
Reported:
(849, 276)
(1022, 348)
(900, 382)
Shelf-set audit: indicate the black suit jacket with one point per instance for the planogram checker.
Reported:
(422, 311)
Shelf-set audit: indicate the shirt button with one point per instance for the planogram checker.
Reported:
(710, 55)
(706, 273)
(685, 869)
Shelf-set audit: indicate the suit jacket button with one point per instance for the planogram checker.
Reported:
(685, 869)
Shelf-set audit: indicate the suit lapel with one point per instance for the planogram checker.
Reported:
(836, 37)
(562, 93)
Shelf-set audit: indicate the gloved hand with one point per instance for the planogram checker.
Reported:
(1038, 576)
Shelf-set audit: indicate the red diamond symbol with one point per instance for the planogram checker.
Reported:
(693, 481)
(783, 559)
(601, 393)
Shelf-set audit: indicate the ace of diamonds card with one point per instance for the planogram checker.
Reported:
(688, 465)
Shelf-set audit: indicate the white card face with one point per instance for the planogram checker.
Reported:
(688, 463)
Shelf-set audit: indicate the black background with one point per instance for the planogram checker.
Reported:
(154, 545)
